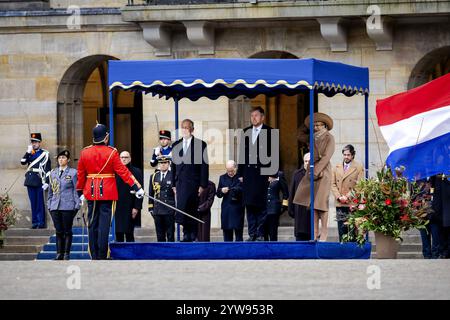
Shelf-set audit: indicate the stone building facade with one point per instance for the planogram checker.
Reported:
(54, 55)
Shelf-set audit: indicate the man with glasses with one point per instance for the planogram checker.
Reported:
(190, 170)
(128, 210)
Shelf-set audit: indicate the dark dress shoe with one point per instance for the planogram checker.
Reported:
(59, 256)
(260, 239)
(250, 239)
(34, 227)
(66, 256)
(41, 227)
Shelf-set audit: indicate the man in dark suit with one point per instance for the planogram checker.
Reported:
(258, 159)
(191, 173)
(128, 207)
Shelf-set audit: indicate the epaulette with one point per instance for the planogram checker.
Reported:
(112, 147)
(43, 150)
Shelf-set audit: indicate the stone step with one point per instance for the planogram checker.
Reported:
(402, 255)
(25, 232)
(32, 240)
(20, 248)
(17, 256)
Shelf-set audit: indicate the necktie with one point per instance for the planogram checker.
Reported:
(255, 134)
(163, 176)
(60, 173)
(184, 146)
(346, 167)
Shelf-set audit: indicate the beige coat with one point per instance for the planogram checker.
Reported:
(342, 183)
(323, 151)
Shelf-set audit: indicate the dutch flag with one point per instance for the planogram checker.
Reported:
(416, 127)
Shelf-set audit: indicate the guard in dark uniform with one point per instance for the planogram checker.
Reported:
(161, 188)
(164, 148)
(275, 206)
(39, 166)
(97, 169)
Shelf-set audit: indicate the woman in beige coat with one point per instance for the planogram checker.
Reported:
(323, 151)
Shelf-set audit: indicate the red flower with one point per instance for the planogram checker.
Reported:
(405, 218)
(388, 202)
(355, 200)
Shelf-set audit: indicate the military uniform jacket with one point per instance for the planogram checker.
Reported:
(167, 151)
(273, 194)
(161, 190)
(97, 169)
(39, 166)
(62, 192)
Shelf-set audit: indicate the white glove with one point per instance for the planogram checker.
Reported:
(140, 193)
(82, 198)
(45, 186)
(30, 148)
(157, 151)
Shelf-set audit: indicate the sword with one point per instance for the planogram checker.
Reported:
(171, 207)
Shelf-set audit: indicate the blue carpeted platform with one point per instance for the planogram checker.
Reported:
(238, 250)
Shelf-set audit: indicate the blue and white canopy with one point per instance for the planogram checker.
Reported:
(212, 78)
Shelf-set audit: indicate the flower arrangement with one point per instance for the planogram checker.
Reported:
(388, 204)
(8, 215)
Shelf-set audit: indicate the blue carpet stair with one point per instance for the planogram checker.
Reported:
(79, 250)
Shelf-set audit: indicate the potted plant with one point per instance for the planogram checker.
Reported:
(8, 215)
(387, 205)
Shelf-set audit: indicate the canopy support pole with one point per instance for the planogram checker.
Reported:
(366, 128)
(311, 162)
(366, 142)
(176, 138)
(111, 143)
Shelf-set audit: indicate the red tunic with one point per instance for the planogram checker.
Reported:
(97, 167)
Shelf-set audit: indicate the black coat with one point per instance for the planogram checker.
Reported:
(163, 191)
(232, 215)
(251, 162)
(299, 213)
(190, 171)
(441, 199)
(128, 201)
(273, 194)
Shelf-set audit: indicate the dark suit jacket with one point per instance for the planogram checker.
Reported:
(189, 171)
(250, 164)
(127, 202)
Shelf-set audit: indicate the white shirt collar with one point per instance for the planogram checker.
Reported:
(259, 127)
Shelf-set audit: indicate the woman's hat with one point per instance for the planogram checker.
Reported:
(321, 117)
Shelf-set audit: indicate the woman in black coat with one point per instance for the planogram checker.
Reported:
(232, 215)
(300, 213)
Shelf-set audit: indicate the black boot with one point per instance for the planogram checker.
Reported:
(59, 246)
(67, 246)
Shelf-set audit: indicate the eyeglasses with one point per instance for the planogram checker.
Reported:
(124, 157)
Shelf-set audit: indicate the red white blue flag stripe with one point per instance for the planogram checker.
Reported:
(416, 127)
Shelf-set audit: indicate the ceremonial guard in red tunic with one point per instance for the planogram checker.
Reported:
(97, 169)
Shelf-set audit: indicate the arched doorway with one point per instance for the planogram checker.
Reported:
(83, 99)
(433, 65)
